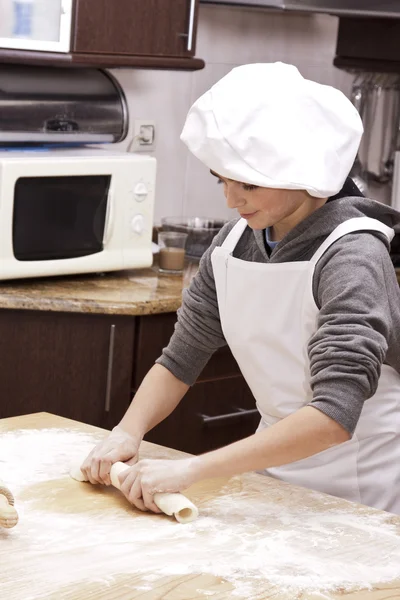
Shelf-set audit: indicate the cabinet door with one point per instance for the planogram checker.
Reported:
(153, 334)
(218, 410)
(211, 415)
(73, 365)
(136, 27)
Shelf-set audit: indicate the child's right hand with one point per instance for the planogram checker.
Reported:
(118, 446)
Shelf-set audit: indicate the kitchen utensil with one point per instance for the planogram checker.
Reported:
(358, 99)
(377, 98)
(382, 123)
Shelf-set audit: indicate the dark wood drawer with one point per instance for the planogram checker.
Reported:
(211, 415)
(153, 335)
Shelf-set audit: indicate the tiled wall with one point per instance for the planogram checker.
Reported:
(227, 36)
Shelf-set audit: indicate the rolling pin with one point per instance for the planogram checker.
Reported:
(8, 514)
(177, 505)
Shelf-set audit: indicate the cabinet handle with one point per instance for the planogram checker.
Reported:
(191, 25)
(107, 405)
(189, 34)
(230, 418)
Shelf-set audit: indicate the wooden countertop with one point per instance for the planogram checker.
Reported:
(133, 292)
(256, 538)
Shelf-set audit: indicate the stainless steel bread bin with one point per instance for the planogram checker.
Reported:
(60, 105)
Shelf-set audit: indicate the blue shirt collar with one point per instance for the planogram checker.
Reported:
(270, 243)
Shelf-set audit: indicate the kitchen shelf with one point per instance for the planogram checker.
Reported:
(100, 60)
(366, 64)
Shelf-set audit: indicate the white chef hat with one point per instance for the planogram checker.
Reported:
(264, 124)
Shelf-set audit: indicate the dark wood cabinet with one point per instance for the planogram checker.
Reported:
(119, 33)
(211, 415)
(88, 367)
(73, 365)
(218, 410)
(150, 28)
(370, 44)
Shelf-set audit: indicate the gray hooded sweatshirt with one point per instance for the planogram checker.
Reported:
(354, 286)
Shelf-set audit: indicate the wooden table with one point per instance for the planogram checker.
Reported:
(256, 538)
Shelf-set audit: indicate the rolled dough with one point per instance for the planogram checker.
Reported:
(8, 514)
(177, 505)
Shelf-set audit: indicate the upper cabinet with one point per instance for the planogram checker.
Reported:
(368, 45)
(365, 8)
(102, 33)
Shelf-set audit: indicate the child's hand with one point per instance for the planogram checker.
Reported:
(148, 477)
(118, 446)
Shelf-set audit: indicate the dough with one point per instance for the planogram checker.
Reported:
(76, 473)
(8, 514)
(178, 505)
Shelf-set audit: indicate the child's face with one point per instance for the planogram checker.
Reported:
(267, 207)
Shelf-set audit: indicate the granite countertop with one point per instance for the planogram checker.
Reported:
(131, 292)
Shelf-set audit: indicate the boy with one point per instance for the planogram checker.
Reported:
(301, 288)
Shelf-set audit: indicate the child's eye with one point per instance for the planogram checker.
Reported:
(219, 180)
(248, 187)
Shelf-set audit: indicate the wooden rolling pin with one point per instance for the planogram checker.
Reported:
(177, 505)
(8, 513)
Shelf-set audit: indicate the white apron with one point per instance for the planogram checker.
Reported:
(268, 314)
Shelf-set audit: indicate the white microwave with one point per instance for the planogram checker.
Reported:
(65, 211)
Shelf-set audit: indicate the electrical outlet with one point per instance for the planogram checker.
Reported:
(144, 133)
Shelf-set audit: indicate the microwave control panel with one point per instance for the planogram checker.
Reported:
(141, 206)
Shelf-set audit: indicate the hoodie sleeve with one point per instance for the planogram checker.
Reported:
(198, 332)
(356, 290)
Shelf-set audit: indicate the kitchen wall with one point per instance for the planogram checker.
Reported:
(227, 36)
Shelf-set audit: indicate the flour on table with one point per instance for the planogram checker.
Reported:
(298, 549)
(28, 456)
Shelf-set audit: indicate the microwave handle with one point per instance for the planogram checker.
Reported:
(109, 218)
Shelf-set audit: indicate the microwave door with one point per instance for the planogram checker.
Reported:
(59, 217)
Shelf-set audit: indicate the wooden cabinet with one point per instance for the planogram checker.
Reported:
(150, 28)
(73, 365)
(110, 33)
(370, 45)
(218, 410)
(211, 415)
(88, 367)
